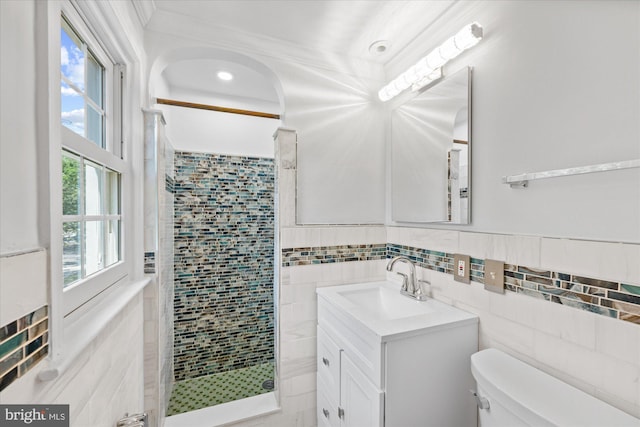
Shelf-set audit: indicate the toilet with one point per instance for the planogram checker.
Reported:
(511, 393)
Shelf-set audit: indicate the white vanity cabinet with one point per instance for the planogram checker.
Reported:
(401, 368)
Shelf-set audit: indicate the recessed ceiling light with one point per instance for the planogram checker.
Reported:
(379, 47)
(225, 75)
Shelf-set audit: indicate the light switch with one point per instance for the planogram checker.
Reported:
(461, 267)
(494, 276)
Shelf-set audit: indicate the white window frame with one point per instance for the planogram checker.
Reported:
(112, 157)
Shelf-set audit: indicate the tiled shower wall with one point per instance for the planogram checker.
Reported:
(224, 237)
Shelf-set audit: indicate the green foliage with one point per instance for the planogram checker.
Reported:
(70, 185)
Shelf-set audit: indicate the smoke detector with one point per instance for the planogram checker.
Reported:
(379, 47)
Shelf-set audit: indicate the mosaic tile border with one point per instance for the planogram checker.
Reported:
(23, 343)
(619, 300)
(149, 263)
(330, 254)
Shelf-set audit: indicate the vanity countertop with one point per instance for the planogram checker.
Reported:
(379, 307)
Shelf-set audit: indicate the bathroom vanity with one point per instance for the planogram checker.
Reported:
(386, 360)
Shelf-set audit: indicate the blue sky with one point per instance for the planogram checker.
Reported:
(72, 64)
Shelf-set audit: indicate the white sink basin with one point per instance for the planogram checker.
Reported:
(384, 303)
(382, 309)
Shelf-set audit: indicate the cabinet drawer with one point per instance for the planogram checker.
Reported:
(328, 364)
(327, 411)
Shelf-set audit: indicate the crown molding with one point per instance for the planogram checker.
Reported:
(144, 10)
(112, 32)
(229, 38)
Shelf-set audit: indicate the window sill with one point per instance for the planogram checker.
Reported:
(80, 329)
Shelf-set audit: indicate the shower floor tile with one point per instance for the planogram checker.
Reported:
(210, 390)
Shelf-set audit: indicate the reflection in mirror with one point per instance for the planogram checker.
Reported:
(431, 153)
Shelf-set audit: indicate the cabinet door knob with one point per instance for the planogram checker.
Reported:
(340, 413)
(325, 361)
(325, 412)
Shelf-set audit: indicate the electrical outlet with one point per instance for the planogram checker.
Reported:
(461, 267)
(494, 276)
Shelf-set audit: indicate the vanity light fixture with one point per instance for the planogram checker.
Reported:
(225, 75)
(429, 68)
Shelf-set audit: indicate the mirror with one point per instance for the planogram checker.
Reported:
(431, 153)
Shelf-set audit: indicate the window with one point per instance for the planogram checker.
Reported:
(91, 217)
(92, 167)
(81, 87)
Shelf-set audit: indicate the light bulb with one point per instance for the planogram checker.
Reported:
(422, 68)
(469, 36)
(448, 50)
(225, 75)
(429, 68)
(435, 60)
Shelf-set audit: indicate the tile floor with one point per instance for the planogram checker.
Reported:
(210, 390)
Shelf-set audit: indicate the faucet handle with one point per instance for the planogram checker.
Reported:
(405, 281)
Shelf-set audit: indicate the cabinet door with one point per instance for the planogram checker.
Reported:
(328, 365)
(327, 411)
(362, 404)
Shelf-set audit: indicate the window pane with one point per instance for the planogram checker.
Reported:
(94, 244)
(112, 254)
(71, 56)
(94, 126)
(93, 185)
(70, 184)
(72, 108)
(71, 252)
(112, 192)
(94, 80)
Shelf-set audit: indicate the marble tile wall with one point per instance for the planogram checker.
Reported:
(158, 262)
(24, 312)
(588, 349)
(103, 383)
(223, 305)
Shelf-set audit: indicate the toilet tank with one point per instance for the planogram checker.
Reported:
(521, 395)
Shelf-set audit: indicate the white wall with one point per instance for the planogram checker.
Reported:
(18, 159)
(206, 131)
(555, 85)
(330, 102)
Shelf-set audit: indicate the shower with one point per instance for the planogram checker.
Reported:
(223, 276)
(214, 254)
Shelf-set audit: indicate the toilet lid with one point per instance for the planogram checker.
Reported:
(539, 398)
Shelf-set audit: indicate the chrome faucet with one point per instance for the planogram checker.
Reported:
(410, 286)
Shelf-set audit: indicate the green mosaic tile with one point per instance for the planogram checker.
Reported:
(210, 390)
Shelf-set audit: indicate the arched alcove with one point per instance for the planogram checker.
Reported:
(221, 181)
(199, 53)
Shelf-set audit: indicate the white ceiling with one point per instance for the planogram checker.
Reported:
(200, 75)
(340, 26)
(344, 27)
